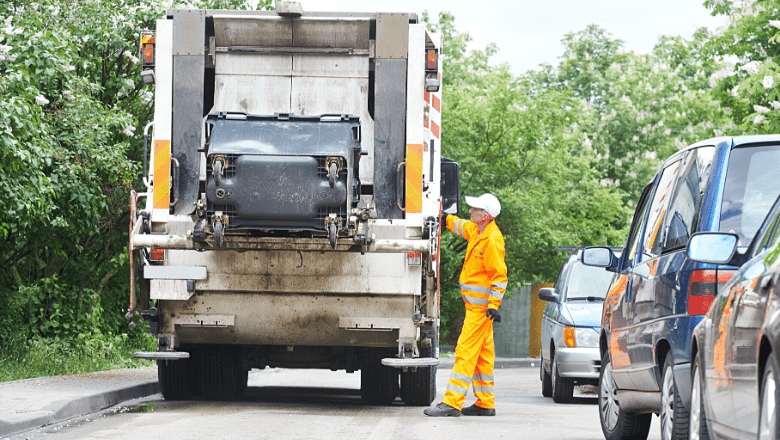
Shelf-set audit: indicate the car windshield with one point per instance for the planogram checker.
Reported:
(751, 188)
(587, 281)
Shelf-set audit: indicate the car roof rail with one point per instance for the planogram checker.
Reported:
(574, 249)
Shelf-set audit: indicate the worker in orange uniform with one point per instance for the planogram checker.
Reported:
(482, 285)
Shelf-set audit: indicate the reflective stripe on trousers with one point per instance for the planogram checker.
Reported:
(474, 359)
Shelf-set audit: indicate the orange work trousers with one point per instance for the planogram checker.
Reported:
(474, 360)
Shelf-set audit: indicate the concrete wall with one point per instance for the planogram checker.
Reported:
(512, 335)
(519, 332)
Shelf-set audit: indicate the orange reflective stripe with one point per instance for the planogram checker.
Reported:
(162, 173)
(414, 165)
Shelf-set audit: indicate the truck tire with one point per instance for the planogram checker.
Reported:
(175, 379)
(217, 373)
(418, 388)
(378, 383)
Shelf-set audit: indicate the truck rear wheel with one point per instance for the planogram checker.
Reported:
(378, 383)
(418, 388)
(175, 379)
(218, 373)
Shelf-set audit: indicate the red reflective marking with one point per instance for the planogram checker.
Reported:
(435, 129)
(436, 104)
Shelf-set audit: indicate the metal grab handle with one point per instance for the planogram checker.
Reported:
(399, 188)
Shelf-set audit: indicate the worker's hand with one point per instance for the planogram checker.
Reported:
(493, 315)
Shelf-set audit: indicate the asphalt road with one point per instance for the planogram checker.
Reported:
(308, 404)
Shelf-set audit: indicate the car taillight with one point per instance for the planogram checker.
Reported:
(157, 254)
(568, 337)
(703, 288)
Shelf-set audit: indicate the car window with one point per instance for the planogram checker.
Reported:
(585, 281)
(684, 210)
(632, 244)
(768, 232)
(561, 276)
(751, 188)
(651, 247)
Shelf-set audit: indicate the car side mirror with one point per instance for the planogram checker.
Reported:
(548, 294)
(600, 256)
(712, 247)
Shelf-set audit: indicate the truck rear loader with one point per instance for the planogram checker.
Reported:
(293, 191)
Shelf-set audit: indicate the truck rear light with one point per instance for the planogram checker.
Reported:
(148, 53)
(568, 337)
(157, 254)
(431, 60)
(703, 287)
(414, 259)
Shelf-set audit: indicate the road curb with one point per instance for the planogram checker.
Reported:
(66, 409)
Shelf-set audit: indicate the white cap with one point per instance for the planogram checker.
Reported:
(488, 202)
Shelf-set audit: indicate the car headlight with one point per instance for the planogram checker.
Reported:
(580, 337)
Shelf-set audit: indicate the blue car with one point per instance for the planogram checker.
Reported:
(570, 328)
(658, 295)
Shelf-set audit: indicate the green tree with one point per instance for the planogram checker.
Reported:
(749, 35)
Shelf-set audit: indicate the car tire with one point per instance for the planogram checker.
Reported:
(674, 417)
(698, 415)
(562, 387)
(768, 418)
(546, 381)
(615, 423)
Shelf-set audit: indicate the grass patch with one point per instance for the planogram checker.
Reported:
(20, 359)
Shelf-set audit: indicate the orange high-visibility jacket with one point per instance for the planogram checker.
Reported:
(483, 279)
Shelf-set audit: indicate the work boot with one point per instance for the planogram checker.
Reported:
(442, 410)
(475, 410)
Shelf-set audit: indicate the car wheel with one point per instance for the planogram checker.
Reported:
(674, 416)
(546, 381)
(768, 420)
(698, 418)
(562, 388)
(615, 423)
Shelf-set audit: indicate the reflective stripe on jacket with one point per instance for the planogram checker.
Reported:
(483, 278)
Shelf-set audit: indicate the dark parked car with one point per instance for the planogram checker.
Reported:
(570, 328)
(736, 347)
(659, 295)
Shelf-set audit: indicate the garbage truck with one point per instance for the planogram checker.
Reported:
(293, 188)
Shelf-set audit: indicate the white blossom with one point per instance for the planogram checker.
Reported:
(129, 130)
(632, 174)
(667, 132)
(68, 69)
(759, 119)
(768, 82)
(618, 163)
(760, 109)
(41, 100)
(752, 67)
(587, 143)
(5, 49)
(775, 23)
(35, 37)
(129, 82)
(68, 95)
(129, 55)
(650, 155)
(775, 105)
(635, 138)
